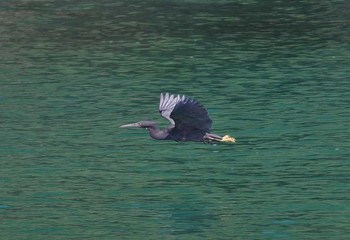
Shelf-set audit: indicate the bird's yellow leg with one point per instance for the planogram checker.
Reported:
(216, 138)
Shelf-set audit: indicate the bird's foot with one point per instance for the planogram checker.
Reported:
(228, 138)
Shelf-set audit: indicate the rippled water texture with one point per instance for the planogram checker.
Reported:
(274, 74)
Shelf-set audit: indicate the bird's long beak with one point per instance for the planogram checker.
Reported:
(130, 125)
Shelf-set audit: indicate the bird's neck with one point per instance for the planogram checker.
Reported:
(156, 133)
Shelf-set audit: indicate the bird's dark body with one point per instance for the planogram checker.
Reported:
(196, 135)
(189, 120)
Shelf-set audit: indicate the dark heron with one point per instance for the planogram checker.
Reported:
(189, 121)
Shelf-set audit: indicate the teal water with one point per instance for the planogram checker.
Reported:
(274, 74)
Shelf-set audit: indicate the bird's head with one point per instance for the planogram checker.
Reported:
(141, 124)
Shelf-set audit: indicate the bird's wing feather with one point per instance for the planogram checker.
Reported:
(167, 103)
(189, 115)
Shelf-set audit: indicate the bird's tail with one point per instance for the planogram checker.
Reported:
(210, 137)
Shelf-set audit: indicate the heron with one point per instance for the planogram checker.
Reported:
(189, 121)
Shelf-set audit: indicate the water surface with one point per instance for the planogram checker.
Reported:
(273, 74)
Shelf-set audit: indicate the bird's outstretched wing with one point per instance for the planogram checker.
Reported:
(190, 115)
(185, 113)
(167, 103)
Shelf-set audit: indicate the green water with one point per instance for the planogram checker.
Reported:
(274, 74)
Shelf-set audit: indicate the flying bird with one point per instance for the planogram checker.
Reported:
(189, 121)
